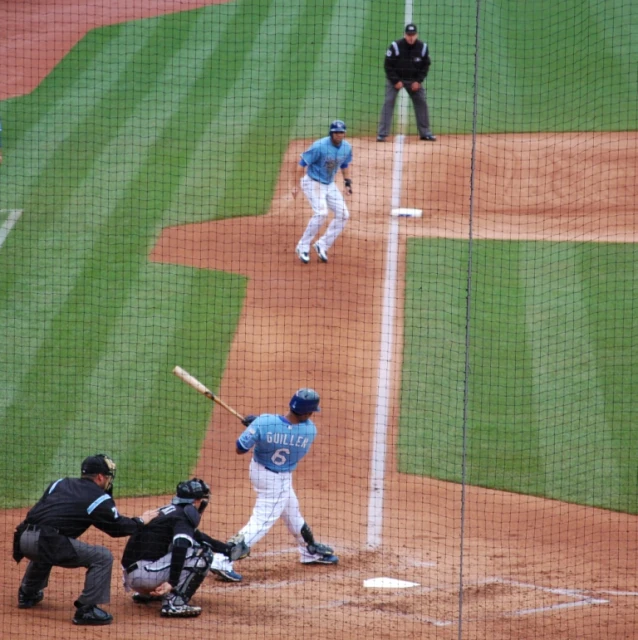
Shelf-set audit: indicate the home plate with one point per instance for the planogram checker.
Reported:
(404, 212)
(388, 583)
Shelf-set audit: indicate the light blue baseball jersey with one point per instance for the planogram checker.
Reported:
(279, 444)
(323, 159)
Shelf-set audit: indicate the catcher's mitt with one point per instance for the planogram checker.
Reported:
(238, 548)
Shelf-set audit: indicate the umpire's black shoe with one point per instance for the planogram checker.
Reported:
(380, 138)
(430, 137)
(91, 614)
(28, 600)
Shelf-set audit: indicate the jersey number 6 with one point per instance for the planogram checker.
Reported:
(279, 458)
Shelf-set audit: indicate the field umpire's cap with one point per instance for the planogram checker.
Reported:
(410, 29)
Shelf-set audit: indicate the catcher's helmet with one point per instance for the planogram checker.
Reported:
(337, 126)
(305, 401)
(191, 490)
(99, 463)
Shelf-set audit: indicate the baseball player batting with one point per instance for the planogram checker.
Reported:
(279, 443)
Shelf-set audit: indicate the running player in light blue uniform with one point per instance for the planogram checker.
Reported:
(278, 443)
(321, 162)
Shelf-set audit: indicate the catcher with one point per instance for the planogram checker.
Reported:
(169, 559)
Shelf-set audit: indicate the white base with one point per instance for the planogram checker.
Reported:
(403, 212)
(388, 583)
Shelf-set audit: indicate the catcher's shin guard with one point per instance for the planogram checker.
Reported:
(195, 574)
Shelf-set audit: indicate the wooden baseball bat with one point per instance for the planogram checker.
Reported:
(205, 391)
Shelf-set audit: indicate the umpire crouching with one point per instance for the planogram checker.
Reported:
(48, 538)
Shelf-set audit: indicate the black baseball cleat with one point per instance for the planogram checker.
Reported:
(92, 615)
(329, 558)
(430, 137)
(145, 598)
(28, 600)
(380, 138)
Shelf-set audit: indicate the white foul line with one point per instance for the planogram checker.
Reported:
(380, 432)
(384, 384)
(9, 223)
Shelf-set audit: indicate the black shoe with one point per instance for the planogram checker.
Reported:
(28, 600)
(144, 598)
(430, 137)
(380, 138)
(92, 615)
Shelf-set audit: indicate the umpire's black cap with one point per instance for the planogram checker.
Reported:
(410, 29)
(99, 463)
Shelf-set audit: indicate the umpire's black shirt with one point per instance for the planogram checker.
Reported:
(405, 62)
(72, 505)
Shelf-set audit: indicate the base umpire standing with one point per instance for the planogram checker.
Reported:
(48, 538)
(169, 558)
(406, 65)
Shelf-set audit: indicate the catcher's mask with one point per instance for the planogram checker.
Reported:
(190, 490)
(100, 463)
(304, 401)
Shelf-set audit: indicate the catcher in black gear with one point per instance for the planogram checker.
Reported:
(169, 559)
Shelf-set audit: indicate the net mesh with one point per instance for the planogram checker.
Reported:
(472, 334)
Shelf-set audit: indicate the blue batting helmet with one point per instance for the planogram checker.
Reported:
(305, 401)
(337, 126)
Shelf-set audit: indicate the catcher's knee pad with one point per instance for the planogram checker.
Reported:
(206, 555)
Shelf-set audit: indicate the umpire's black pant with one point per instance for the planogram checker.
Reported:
(420, 109)
(98, 560)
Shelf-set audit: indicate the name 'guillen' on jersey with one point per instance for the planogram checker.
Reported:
(288, 439)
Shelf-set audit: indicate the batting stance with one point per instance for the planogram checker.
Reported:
(321, 162)
(48, 538)
(279, 442)
(169, 558)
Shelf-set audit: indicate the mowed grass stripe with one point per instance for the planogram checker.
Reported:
(566, 384)
(610, 273)
(551, 331)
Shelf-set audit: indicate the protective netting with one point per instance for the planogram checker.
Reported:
(468, 317)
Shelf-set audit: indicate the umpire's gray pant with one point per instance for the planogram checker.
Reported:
(420, 109)
(98, 560)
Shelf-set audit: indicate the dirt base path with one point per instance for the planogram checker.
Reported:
(532, 568)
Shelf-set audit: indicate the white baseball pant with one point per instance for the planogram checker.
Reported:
(275, 498)
(323, 198)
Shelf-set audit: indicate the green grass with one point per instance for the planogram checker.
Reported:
(185, 118)
(552, 360)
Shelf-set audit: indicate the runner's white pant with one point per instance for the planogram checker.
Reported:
(323, 198)
(275, 498)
